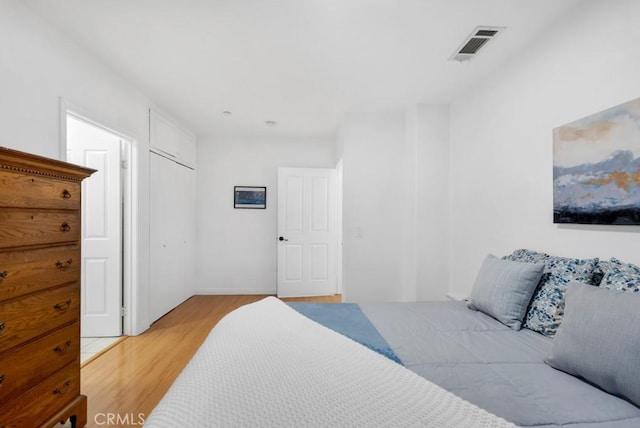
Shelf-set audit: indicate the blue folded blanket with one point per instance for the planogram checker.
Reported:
(348, 320)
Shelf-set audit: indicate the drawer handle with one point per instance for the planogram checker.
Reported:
(63, 307)
(64, 227)
(64, 265)
(3, 275)
(1, 379)
(62, 349)
(62, 391)
(2, 326)
(66, 194)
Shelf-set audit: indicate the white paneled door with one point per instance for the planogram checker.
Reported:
(307, 232)
(101, 285)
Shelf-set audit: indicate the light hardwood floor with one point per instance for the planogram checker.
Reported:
(129, 379)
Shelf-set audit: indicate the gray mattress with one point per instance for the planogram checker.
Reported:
(494, 367)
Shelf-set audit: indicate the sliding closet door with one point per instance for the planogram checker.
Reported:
(172, 234)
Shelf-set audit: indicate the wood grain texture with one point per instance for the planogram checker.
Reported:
(28, 271)
(34, 362)
(40, 204)
(35, 314)
(17, 161)
(35, 191)
(37, 227)
(131, 377)
(40, 402)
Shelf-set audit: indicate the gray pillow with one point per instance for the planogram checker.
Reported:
(545, 311)
(503, 289)
(598, 339)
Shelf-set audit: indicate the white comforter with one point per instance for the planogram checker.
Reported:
(265, 365)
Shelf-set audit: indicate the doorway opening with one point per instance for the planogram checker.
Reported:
(106, 228)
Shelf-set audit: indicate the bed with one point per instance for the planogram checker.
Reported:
(440, 364)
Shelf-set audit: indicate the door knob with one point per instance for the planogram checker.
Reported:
(282, 238)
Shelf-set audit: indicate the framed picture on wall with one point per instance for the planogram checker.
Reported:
(596, 168)
(249, 197)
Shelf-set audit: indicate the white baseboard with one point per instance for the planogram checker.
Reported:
(457, 296)
(214, 291)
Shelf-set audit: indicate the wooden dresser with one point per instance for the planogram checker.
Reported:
(40, 291)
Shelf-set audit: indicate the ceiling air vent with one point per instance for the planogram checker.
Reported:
(474, 42)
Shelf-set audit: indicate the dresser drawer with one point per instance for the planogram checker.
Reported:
(36, 191)
(23, 272)
(32, 227)
(35, 406)
(37, 361)
(27, 317)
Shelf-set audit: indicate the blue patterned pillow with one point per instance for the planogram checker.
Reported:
(527, 256)
(547, 305)
(602, 267)
(621, 276)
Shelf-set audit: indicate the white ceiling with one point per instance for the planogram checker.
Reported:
(301, 63)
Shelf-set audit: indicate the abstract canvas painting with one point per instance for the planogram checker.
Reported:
(596, 168)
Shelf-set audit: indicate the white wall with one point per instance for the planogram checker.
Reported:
(432, 202)
(396, 198)
(237, 247)
(373, 207)
(501, 141)
(38, 66)
(396, 203)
